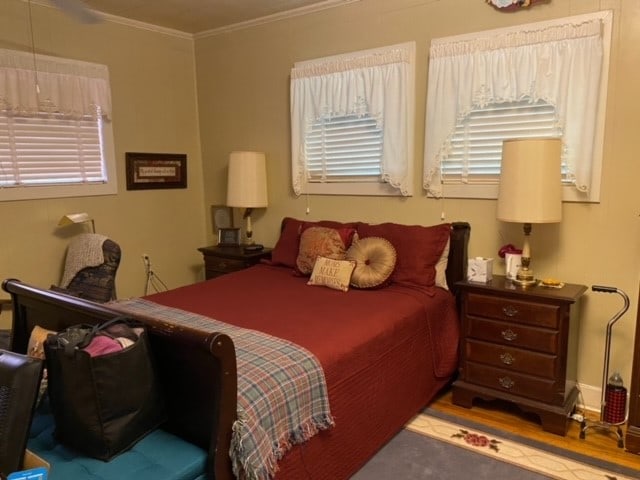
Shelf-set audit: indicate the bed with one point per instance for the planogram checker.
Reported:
(385, 352)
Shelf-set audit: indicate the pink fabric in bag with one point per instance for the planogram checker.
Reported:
(101, 345)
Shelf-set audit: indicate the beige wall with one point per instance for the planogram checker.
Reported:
(243, 79)
(154, 110)
(243, 103)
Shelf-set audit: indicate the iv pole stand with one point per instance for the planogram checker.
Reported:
(601, 424)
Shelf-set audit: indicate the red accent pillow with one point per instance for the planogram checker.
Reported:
(316, 241)
(286, 250)
(418, 249)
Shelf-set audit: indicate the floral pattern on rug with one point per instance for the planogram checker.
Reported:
(552, 465)
(477, 440)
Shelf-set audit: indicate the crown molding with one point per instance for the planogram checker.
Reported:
(123, 21)
(296, 12)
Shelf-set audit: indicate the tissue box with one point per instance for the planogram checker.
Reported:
(480, 269)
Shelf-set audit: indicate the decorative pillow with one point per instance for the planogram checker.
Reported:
(332, 273)
(418, 249)
(322, 241)
(35, 349)
(441, 267)
(375, 259)
(285, 251)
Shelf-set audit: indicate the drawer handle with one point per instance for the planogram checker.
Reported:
(507, 358)
(510, 311)
(506, 382)
(222, 265)
(509, 335)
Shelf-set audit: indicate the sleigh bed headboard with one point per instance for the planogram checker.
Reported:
(458, 254)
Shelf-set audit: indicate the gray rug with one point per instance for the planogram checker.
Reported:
(413, 456)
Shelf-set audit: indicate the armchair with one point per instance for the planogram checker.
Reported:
(90, 269)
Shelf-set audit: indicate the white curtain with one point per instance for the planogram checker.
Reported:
(560, 64)
(374, 84)
(30, 84)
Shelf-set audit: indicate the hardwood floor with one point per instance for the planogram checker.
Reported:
(507, 417)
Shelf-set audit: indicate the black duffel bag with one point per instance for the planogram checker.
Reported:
(103, 403)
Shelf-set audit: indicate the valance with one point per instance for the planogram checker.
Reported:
(560, 64)
(372, 84)
(30, 84)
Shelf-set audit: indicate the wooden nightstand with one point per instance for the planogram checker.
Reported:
(221, 260)
(519, 345)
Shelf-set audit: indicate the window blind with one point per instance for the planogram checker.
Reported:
(344, 148)
(48, 149)
(476, 144)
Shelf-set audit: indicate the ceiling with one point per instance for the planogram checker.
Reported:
(196, 16)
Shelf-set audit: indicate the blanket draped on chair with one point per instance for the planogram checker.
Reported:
(282, 393)
(85, 250)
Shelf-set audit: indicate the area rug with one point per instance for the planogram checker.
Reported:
(531, 456)
(437, 445)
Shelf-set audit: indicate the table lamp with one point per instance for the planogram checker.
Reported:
(530, 190)
(247, 187)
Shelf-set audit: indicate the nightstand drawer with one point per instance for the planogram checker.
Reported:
(512, 359)
(508, 309)
(516, 335)
(217, 264)
(220, 260)
(511, 382)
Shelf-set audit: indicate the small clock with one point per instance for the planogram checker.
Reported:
(229, 237)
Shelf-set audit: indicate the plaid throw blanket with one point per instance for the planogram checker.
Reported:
(282, 394)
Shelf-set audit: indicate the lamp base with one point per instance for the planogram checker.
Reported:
(524, 283)
(525, 277)
(253, 247)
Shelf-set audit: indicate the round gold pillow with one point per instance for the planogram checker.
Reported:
(375, 259)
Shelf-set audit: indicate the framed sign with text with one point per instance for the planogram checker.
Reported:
(147, 171)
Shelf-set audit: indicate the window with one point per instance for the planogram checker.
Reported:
(539, 80)
(476, 144)
(343, 148)
(352, 123)
(55, 134)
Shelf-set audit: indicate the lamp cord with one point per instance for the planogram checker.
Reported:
(153, 280)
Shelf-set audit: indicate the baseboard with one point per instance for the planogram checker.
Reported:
(590, 398)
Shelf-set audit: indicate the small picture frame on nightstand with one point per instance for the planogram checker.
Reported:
(228, 237)
(221, 217)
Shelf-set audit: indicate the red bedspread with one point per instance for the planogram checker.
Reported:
(385, 352)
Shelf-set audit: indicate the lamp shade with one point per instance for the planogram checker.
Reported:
(530, 181)
(71, 218)
(247, 182)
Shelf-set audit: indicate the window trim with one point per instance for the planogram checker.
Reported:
(39, 192)
(570, 193)
(56, 80)
(370, 188)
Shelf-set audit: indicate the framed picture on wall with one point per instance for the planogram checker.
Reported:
(147, 171)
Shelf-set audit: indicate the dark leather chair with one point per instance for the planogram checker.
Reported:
(20, 377)
(96, 282)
